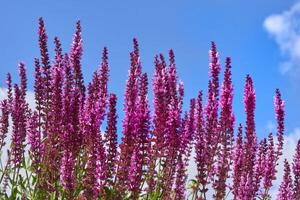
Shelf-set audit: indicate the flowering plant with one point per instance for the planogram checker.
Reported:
(58, 149)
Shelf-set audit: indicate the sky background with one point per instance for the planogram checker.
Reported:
(188, 27)
(261, 37)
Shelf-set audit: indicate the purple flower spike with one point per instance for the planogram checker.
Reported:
(4, 123)
(35, 141)
(296, 171)
(279, 113)
(111, 139)
(286, 187)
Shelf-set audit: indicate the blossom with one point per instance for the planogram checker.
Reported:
(128, 123)
(134, 174)
(35, 141)
(279, 113)
(44, 50)
(200, 143)
(19, 118)
(160, 94)
(53, 143)
(75, 58)
(4, 123)
(248, 184)
(45, 72)
(22, 73)
(269, 172)
(19, 127)
(173, 125)
(296, 171)
(226, 124)
(214, 66)
(111, 139)
(38, 91)
(9, 90)
(94, 113)
(67, 171)
(238, 162)
(180, 179)
(286, 187)
(211, 108)
(140, 157)
(260, 166)
(159, 102)
(188, 133)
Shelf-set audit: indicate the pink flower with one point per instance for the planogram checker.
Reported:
(200, 143)
(19, 127)
(111, 139)
(67, 177)
(226, 124)
(94, 112)
(130, 105)
(35, 141)
(248, 180)
(269, 168)
(75, 58)
(4, 123)
(45, 71)
(9, 90)
(286, 187)
(279, 113)
(180, 179)
(238, 162)
(296, 171)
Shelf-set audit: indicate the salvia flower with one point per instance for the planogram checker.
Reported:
(9, 90)
(226, 123)
(260, 166)
(159, 100)
(180, 179)
(279, 113)
(4, 123)
(19, 127)
(35, 140)
(296, 171)
(200, 145)
(67, 171)
(286, 187)
(128, 123)
(75, 57)
(238, 162)
(269, 172)
(250, 140)
(93, 116)
(134, 173)
(111, 139)
(142, 130)
(45, 71)
(22, 73)
(211, 110)
(39, 91)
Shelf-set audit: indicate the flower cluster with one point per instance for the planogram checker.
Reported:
(67, 147)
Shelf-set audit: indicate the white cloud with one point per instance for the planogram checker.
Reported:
(285, 29)
(270, 127)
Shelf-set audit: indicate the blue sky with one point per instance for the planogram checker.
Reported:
(185, 26)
